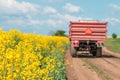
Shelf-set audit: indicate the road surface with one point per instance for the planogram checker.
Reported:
(77, 69)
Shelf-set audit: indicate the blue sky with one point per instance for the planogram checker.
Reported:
(44, 16)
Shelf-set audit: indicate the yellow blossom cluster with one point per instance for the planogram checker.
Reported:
(31, 56)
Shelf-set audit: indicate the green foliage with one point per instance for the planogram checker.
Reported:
(59, 33)
(113, 44)
(114, 36)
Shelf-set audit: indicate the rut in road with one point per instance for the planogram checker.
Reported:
(78, 70)
(109, 63)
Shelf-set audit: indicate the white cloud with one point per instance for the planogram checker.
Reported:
(34, 22)
(54, 0)
(21, 15)
(72, 8)
(15, 22)
(65, 17)
(50, 22)
(49, 10)
(114, 6)
(71, 18)
(13, 6)
(25, 23)
(113, 21)
(68, 17)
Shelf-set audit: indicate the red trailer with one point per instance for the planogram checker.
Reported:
(87, 36)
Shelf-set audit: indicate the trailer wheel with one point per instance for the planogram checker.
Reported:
(93, 52)
(73, 52)
(99, 52)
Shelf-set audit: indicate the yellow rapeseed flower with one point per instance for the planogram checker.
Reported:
(29, 56)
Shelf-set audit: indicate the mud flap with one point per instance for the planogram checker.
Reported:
(93, 52)
(73, 51)
(99, 52)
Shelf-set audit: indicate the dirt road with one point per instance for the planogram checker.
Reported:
(77, 69)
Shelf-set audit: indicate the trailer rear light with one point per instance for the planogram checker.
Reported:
(75, 43)
(100, 44)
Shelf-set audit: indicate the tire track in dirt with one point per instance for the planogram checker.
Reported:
(84, 72)
(113, 54)
(113, 62)
(109, 63)
(78, 70)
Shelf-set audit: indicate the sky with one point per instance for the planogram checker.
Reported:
(46, 16)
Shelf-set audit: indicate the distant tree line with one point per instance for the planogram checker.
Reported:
(114, 36)
(57, 33)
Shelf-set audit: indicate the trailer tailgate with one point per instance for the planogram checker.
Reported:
(88, 30)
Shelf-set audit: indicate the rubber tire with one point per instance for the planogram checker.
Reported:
(94, 53)
(73, 52)
(99, 52)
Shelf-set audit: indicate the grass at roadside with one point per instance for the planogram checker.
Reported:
(111, 36)
(113, 44)
(96, 69)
